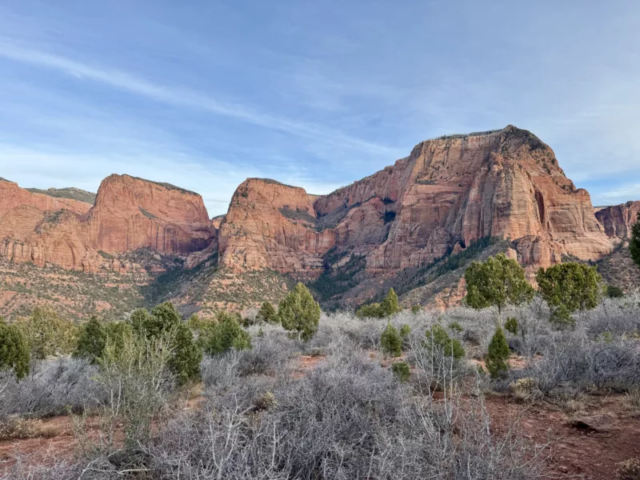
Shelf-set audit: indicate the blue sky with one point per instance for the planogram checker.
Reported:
(205, 93)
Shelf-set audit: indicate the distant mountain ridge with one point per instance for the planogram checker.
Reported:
(396, 227)
(70, 192)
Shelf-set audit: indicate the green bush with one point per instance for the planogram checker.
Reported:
(117, 333)
(614, 292)
(401, 371)
(390, 304)
(91, 341)
(48, 334)
(162, 319)
(499, 281)
(268, 313)
(371, 310)
(390, 341)
(223, 335)
(496, 360)
(568, 287)
(438, 338)
(186, 356)
(14, 350)
(511, 325)
(300, 313)
(455, 327)
(405, 330)
(388, 307)
(416, 309)
(164, 322)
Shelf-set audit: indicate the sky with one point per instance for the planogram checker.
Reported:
(206, 93)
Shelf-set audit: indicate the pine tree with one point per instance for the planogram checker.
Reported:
(268, 313)
(186, 356)
(391, 341)
(300, 313)
(14, 350)
(91, 341)
(390, 304)
(496, 360)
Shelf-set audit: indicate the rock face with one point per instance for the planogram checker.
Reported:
(11, 196)
(132, 213)
(129, 214)
(447, 194)
(618, 220)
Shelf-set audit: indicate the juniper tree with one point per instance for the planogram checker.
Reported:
(389, 305)
(219, 337)
(91, 341)
(568, 287)
(496, 359)
(300, 313)
(14, 350)
(499, 281)
(48, 334)
(391, 341)
(268, 313)
(186, 356)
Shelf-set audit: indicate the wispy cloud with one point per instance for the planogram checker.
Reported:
(187, 98)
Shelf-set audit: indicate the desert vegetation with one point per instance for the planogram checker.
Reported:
(298, 393)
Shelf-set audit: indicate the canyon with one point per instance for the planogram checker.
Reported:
(449, 194)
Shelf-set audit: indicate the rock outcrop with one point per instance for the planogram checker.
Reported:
(11, 196)
(129, 214)
(617, 220)
(447, 194)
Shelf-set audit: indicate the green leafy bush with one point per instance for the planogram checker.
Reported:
(416, 309)
(496, 360)
(390, 341)
(14, 350)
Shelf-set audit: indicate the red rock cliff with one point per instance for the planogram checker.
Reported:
(449, 192)
(617, 220)
(129, 213)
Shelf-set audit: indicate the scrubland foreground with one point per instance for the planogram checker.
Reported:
(339, 407)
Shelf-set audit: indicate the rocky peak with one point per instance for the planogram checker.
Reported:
(617, 220)
(449, 192)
